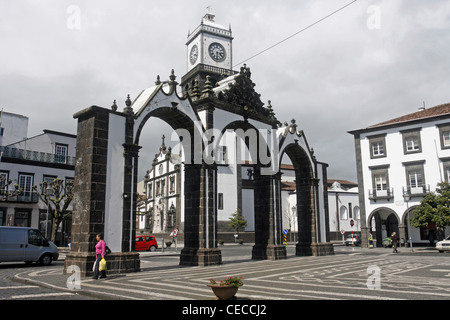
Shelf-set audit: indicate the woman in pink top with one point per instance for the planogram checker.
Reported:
(100, 249)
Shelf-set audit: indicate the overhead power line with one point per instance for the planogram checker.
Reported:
(293, 35)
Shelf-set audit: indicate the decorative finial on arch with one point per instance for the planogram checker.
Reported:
(128, 108)
(158, 80)
(114, 106)
(172, 76)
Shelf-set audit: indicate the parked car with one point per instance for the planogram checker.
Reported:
(26, 244)
(443, 245)
(352, 239)
(147, 243)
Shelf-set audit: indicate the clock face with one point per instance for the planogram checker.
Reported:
(217, 52)
(194, 54)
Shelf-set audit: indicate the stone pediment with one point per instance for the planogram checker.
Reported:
(237, 94)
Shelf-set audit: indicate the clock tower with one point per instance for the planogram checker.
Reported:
(209, 52)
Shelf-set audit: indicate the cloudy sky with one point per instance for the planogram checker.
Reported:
(372, 61)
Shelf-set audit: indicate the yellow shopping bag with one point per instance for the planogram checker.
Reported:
(102, 265)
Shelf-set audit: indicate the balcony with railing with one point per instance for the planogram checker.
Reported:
(22, 154)
(418, 191)
(23, 197)
(385, 194)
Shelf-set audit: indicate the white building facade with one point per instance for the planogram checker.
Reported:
(27, 162)
(398, 162)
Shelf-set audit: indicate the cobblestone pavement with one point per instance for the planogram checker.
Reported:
(360, 274)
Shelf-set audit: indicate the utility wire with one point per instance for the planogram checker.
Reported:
(293, 35)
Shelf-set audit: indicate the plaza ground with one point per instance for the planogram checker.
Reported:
(350, 274)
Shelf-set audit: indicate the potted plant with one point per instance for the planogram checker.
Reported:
(221, 242)
(226, 289)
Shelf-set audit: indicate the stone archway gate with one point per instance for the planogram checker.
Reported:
(106, 179)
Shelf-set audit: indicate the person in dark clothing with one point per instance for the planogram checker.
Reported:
(394, 239)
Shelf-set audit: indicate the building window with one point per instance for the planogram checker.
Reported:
(150, 190)
(356, 213)
(378, 149)
(22, 218)
(446, 166)
(446, 138)
(26, 184)
(61, 153)
(415, 178)
(444, 135)
(220, 201)
(2, 216)
(377, 146)
(411, 141)
(380, 183)
(49, 179)
(172, 184)
(4, 176)
(223, 155)
(343, 213)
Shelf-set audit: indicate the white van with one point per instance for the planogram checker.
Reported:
(26, 244)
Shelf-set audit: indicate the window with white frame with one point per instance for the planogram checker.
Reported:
(415, 177)
(380, 181)
(412, 144)
(444, 135)
(446, 138)
(377, 146)
(61, 153)
(411, 141)
(26, 184)
(4, 182)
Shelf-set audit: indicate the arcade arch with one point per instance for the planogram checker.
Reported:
(382, 223)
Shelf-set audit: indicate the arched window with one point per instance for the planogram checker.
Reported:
(343, 213)
(356, 213)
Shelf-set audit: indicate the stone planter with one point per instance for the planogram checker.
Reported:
(223, 292)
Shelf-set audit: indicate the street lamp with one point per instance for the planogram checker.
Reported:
(407, 197)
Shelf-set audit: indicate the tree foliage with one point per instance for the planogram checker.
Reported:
(237, 221)
(434, 208)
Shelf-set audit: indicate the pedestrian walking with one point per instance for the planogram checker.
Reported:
(100, 249)
(394, 239)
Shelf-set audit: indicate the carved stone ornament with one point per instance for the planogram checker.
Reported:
(241, 95)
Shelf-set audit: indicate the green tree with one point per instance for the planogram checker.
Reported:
(237, 221)
(57, 196)
(434, 208)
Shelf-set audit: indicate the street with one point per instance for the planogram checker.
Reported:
(350, 274)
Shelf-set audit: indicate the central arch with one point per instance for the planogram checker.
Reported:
(106, 173)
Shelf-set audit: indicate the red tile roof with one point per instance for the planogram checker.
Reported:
(442, 110)
(432, 112)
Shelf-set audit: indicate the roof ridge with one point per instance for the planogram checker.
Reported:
(440, 109)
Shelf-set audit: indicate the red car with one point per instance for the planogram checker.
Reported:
(147, 243)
